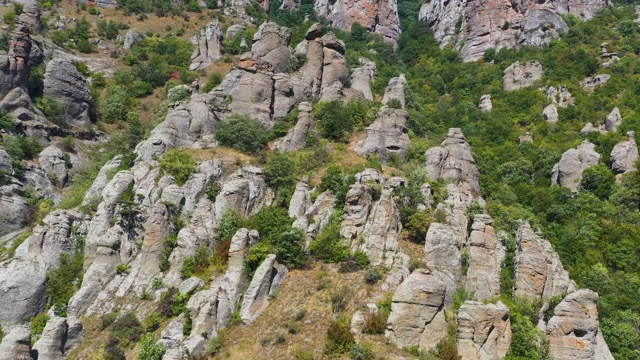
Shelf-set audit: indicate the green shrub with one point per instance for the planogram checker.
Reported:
(418, 225)
(339, 338)
(179, 303)
(53, 110)
(9, 18)
(212, 190)
(6, 121)
(107, 319)
(38, 323)
(242, 133)
(394, 104)
(140, 89)
(255, 256)
(214, 79)
(65, 280)
(169, 243)
(328, 245)
(178, 163)
(361, 352)
(188, 325)
(123, 268)
(270, 222)
(228, 225)
(289, 248)
(116, 105)
(126, 331)
(149, 349)
(598, 180)
(152, 322)
(216, 343)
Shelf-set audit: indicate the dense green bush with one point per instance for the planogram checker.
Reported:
(38, 323)
(149, 350)
(20, 148)
(64, 281)
(241, 133)
(178, 163)
(328, 245)
(6, 121)
(53, 110)
(228, 225)
(337, 120)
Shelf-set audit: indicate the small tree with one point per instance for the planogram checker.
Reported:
(178, 163)
(149, 350)
(242, 133)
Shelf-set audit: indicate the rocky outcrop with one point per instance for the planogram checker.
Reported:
(574, 332)
(208, 44)
(59, 335)
(485, 255)
(296, 138)
(568, 172)
(16, 344)
(5, 163)
(417, 311)
(539, 272)
(23, 280)
(370, 214)
(550, 113)
(484, 331)
(31, 17)
(590, 84)
(395, 90)
(131, 38)
(477, 26)
(613, 120)
(625, 155)
(560, 97)
(63, 82)
(453, 161)
(187, 125)
(377, 17)
(270, 47)
(387, 135)
(362, 78)
(52, 161)
(518, 75)
(265, 282)
(443, 252)
(14, 212)
(485, 103)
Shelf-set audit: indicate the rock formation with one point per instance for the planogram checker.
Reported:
(63, 82)
(52, 161)
(550, 113)
(568, 172)
(485, 103)
(574, 331)
(16, 344)
(477, 26)
(296, 138)
(453, 161)
(265, 282)
(518, 76)
(387, 135)
(539, 272)
(625, 155)
(485, 255)
(590, 84)
(395, 90)
(484, 331)
(417, 315)
(613, 120)
(560, 97)
(208, 47)
(377, 17)
(362, 78)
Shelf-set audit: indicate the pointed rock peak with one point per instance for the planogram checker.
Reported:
(395, 90)
(331, 41)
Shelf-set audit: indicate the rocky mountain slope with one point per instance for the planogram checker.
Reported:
(264, 191)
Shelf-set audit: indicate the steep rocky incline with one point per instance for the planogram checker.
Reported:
(475, 26)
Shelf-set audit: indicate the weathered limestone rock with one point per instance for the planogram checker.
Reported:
(613, 120)
(23, 280)
(568, 172)
(453, 161)
(518, 76)
(31, 17)
(208, 42)
(477, 26)
(271, 46)
(244, 191)
(550, 113)
(16, 345)
(64, 83)
(395, 90)
(485, 103)
(14, 213)
(539, 272)
(625, 155)
(251, 94)
(590, 84)
(417, 311)
(188, 125)
(370, 214)
(387, 135)
(485, 260)
(362, 77)
(377, 17)
(5, 162)
(51, 344)
(266, 280)
(131, 38)
(560, 97)
(574, 332)
(297, 137)
(484, 331)
(300, 202)
(52, 161)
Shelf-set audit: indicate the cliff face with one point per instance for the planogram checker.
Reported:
(379, 17)
(475, 26)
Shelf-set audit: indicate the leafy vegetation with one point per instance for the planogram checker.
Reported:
(242, 133)
(178, 163)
